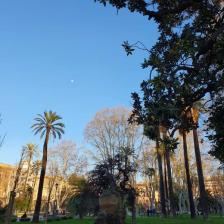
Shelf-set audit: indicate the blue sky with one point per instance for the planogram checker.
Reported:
(46, 43)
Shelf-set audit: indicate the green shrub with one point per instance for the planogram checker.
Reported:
(14, 220)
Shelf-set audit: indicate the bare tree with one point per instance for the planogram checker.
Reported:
(69, 161)
(52, 172)
(148, 169)
(109, 131)
(2, 137)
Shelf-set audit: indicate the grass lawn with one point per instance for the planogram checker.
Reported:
(152, 220)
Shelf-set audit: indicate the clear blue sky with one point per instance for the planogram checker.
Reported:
(46, 43)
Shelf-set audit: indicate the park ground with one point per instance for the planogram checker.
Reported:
(153, 220)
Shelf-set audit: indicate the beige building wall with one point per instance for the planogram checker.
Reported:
(6, 177)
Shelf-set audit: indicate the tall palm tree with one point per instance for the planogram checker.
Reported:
(203, 195)
(165, 176)
(188, 176)
(46, 125)
(35, 169)
(161, 179)
(150, 173)
(13, 191)
(167, 169)
(29, 197)
(30, 150)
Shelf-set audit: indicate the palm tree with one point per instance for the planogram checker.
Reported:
(35, 169)
(165, 177)
(203, 195)
(47, 125)
(30, 150)
(167, 171)
(29, 197)
(161, 182)
(13, 191)
(150, 173)
(188, 176)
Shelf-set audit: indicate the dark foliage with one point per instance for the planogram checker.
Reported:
(216, 129)
(113, 173)
(84, 201)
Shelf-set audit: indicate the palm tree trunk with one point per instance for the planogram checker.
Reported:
(165, 179)
(171, 194)
(189, 183)
(41, 181)
(13, 192)
(28, 171)
(161, 183)
(203, 194)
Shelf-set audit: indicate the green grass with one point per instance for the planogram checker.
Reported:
(152, 220)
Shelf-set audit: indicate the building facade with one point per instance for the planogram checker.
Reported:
(6, 176)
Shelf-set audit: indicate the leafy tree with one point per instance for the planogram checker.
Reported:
(155, 110)
(29, 197)
(84, 200)
(21, 203)
(115, 173)
(189, 51)
(216, 129)
(46, 125)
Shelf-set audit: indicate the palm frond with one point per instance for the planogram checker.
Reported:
(48, 120)
(58, 129)
(42, 133)
(60, 125)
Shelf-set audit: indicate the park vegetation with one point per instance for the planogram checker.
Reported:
(159, 138)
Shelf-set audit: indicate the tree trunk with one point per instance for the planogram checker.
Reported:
(203, 194)
(48, 203)
(133, 216)
(122, 210)
(41, 181)
(189, 184)
(29, 202)
(165, 179)
(171, 194)
(13, 192)
(28, 170)
(161, 183)
(10, 207)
